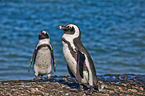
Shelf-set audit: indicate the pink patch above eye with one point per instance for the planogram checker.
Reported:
(44, 32)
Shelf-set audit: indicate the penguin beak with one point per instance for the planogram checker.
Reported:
(62, 27)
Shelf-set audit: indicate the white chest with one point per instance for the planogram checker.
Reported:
(69, 58)
(43, 61)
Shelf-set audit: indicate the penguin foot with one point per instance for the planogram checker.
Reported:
(80, 88)
(48, 76)
(37, 78)
(101, 85)
(90, 91)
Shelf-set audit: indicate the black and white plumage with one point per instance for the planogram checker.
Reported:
(43, 56)
(79, 62)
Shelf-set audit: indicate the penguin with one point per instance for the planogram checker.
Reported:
(79, 63)
(43, 55)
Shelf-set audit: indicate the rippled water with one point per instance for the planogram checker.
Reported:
(112, 31)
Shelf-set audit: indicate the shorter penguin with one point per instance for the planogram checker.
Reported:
(79, 63)
(43, 56)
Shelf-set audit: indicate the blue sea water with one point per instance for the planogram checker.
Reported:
(113, 32)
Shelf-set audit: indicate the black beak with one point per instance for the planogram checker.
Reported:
(62, 27)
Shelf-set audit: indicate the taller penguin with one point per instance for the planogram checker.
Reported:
(43, 56)
(79, 62)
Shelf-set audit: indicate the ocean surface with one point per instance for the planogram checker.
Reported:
(113, 32)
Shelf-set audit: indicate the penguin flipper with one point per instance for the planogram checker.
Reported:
(31, 60)
(54, 64)
(80, 61)
(70, 72)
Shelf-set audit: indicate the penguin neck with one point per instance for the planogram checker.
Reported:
(44, 41)
(71, 37)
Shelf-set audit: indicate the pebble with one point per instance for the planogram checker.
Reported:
(64, 79)
(111, 92)
(9, 94)
(21, 88)
(39, 86)
(112, 82)
(6, 83)
(132, 90)
(13, 90)
(124, 84)
(33, 90)
(105, 94)
(120, 89)
(65, 75)
(141, 89)
(66, 94)
(106, 87)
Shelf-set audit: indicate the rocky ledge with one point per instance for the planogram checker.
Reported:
(114, 85)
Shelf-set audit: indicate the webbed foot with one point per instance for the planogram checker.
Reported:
(90, 91)
(48, 76)
(80, 88)
(37, 78)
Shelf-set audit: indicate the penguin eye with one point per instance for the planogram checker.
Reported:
(69, 27)
(72, 29)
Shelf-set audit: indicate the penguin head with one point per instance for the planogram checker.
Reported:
(71, 29)
(43, 35)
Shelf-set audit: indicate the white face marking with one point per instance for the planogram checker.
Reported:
(70, 37)
(44, 32)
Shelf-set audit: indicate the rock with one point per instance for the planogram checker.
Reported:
(13, 90)
(121, 79)
(57, 83)
(21, 88)
(39, 86)
(66, 94)
(64, 79)
(141, 89)
(105, 94)
(101, 85)
(65, 75)
(33, 90)
(111, 92)
(6, 83)
(8, 94)
(106, 87)
(120, 89)
(112, 82)
(124, 84)
(132, 90)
